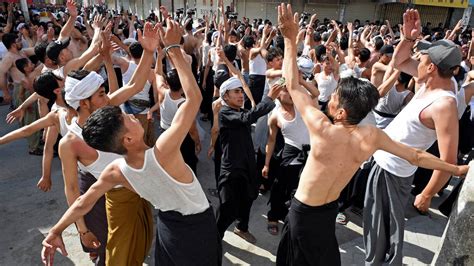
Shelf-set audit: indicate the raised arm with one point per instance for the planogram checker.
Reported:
(69, 26)
(402, 56)
(288, 23)
(387, 84)
(170, 141)
(235, 72)
(149, 41)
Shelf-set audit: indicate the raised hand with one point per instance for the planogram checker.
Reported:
(150, 37)
(411, 24)
(172, 35)
(50, 34)
(50, 244)
(39, 32)
(164, 11)
(71, 7)
(105, 47)
(287, 21)
(98, 22)
(350, 27)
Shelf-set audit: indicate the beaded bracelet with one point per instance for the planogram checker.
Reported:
(171, 46)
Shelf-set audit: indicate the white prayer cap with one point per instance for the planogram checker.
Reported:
(230, 84)
(77, 90)
(305, 65)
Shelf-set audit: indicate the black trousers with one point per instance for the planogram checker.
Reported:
(309, 236)
(236, 206)
(282, 189)
(256, 85)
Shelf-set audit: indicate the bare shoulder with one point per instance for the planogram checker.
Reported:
(443, 108)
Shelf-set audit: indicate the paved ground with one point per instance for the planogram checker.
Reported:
(26, 214)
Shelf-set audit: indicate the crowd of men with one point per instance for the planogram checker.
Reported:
(320, 114)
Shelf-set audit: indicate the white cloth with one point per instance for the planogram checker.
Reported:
(407, 129)
(154, 184)
(230, 84)
(77, 90)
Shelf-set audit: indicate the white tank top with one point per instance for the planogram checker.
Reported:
(325, 86)
(205, 54)
(127, 76)
(295, 131)
(168, 109)
(154, 184)
(392, 104)
(258, 66)
(408, 129)
(103, 158)
(63, 125)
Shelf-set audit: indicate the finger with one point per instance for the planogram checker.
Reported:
(62, 249)
(296, 17)
(43, 255)
(140, 35)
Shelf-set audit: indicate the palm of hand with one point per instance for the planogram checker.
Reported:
(71, 7)
(149, 39)
(287, 21)
(411, 24)
(173, 34)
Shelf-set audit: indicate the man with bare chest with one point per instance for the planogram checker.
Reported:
(338, 147)
(7, 67)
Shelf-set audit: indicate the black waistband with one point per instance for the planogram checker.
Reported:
(300, 206)
(382, 114)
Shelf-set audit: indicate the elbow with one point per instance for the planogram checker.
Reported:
(415, 159)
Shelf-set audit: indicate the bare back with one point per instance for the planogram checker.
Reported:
(335, 156)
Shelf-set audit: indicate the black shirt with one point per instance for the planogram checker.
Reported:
(235, 135)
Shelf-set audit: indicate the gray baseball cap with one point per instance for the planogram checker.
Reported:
(443, 53)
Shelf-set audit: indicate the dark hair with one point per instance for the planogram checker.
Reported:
(103, 129)
(446, 73)
(21, 64)
(230, 52)
(404, 78)
(209, 37)
(188, 25)
(172, 78)
(273, 53)
(344, 43)
(378, 42)
(45, 84)
(57, 30)
(317, 36)
(9, 39)
(357, 98)
(364, 54)
(248, 42)
(280, 43)
(79, 74)
(320, 50)
(136, 50)
(40, 51)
